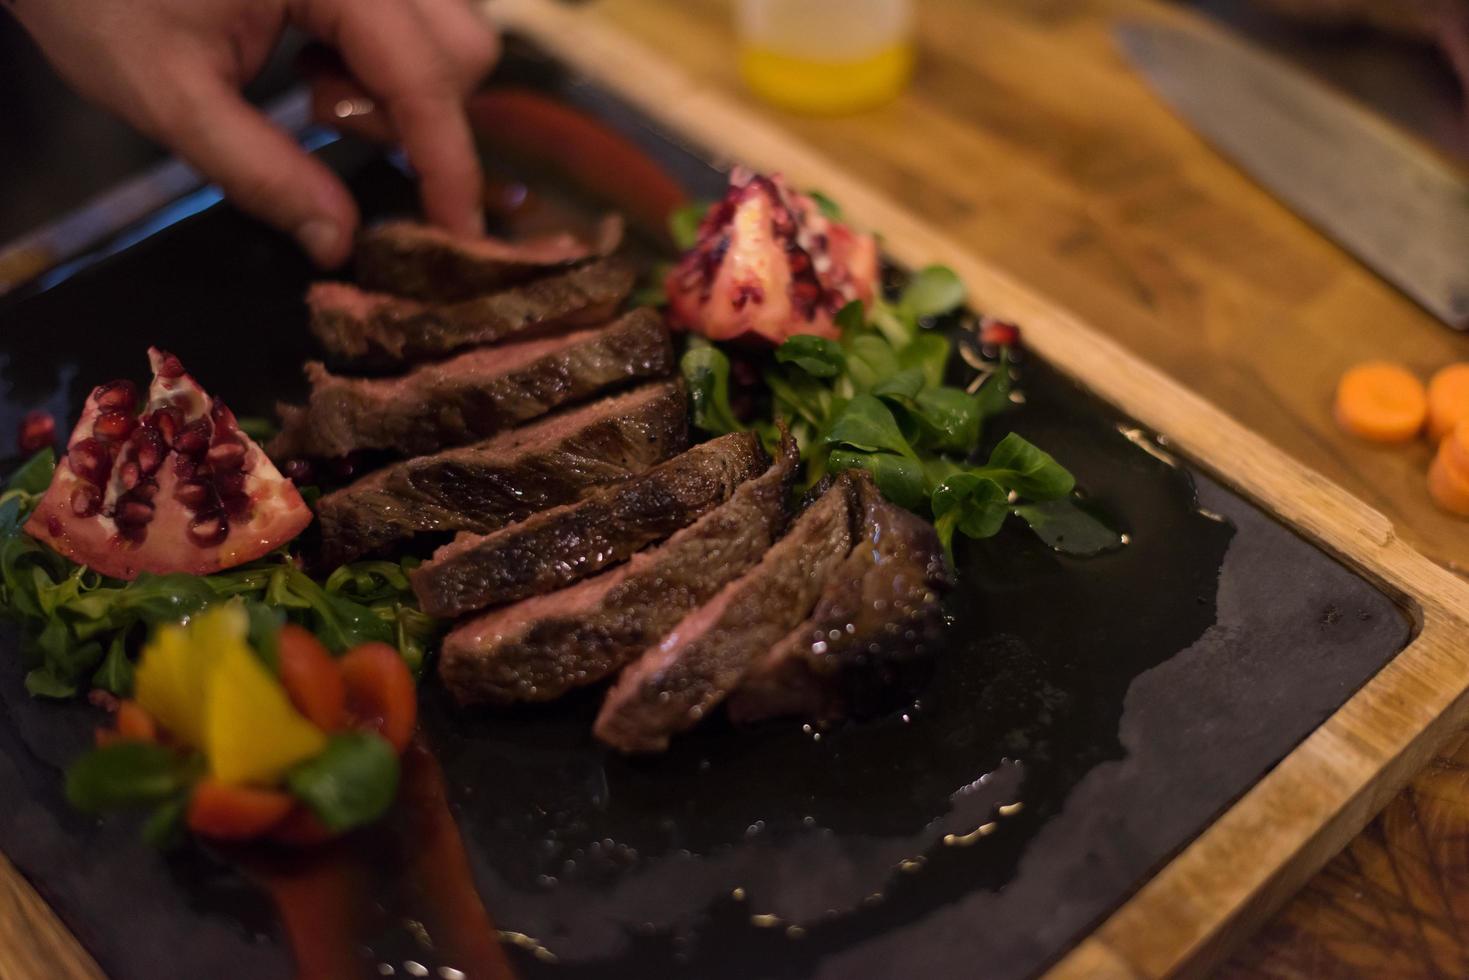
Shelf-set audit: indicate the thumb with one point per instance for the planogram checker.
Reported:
(261, 169)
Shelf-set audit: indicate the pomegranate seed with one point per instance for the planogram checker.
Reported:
(53, 525)
(298, 470)
(114, 424)
(236, 505)
(167, 420)
(193, 495)
(223, 418)
(226, 455)
(37, 431)
(194, 439)
(128, 474)
(91, 461)
(998, 333)
(85, 500)
(170, 366)
(121, 395)
(133, 513)
(150, 450)
(146, 490)
(207, 530)
(230, 484)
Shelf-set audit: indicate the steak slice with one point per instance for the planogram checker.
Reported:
(542, 647)
(474, 395)
(674, 684)
(489, 484)
(559, 546)
(881, 608)
(423, 262)
(378, 330)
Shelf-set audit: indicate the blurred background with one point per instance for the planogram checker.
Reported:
(56, 151)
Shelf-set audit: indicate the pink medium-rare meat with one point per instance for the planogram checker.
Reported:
(471, 396)
(378, 330)
(554, 548)
(423, 262)
(881, 608)
(542, 647)
(677, 682)
(489, 484)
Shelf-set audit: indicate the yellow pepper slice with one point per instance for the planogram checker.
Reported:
(254, 734)
(204, 686)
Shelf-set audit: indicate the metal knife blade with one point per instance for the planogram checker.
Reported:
(1377, 193)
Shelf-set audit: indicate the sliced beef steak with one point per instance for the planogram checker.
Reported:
(674, 684)
(378, 330)
(543, 647)
(489, 484)
(474, 395)
(880, 610)
(422, 262)
(556, 547)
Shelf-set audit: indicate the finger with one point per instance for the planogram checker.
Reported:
(386, 46)
(259, 168)
(465, 35)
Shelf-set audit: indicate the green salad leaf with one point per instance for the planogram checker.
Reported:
(127, 774)
(876, 399)
(351, 783)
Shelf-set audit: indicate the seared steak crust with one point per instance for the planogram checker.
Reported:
(474, 395)
(489, 484)
(422, 262)
(882, 607)
(377, 330)
(674, 684)
(556, 547)
(542, 647)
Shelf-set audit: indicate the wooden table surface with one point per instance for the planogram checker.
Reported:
(1026, 136)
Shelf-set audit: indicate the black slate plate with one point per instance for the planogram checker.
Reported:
(1089, 719)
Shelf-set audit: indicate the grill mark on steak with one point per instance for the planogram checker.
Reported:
(489, 484)
(880, 610)
(376, 330)
(542, 647)
(422, 262)
(557, 547)
(674, 684)
(473, 395)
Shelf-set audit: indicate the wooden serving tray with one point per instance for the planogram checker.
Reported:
(1256, 854)
(1163, 905)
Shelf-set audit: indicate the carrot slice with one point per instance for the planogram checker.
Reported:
(1448, 399)
(1448, 484)
(133, 722)
(1381, 401)
(381, 695)
(312, 679)
(236, 812)
(1456, 444)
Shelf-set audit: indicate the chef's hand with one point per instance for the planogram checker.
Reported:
(174, 68)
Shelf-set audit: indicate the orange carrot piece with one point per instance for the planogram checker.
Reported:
(1448, 399)
(1448, 484)
(381, 695)
(236, 812)
(312, 679)
(1382, 402)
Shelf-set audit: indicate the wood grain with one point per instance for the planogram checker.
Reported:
(34, 945)
(1213, 895)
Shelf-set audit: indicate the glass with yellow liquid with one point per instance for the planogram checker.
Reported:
(825, 56)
